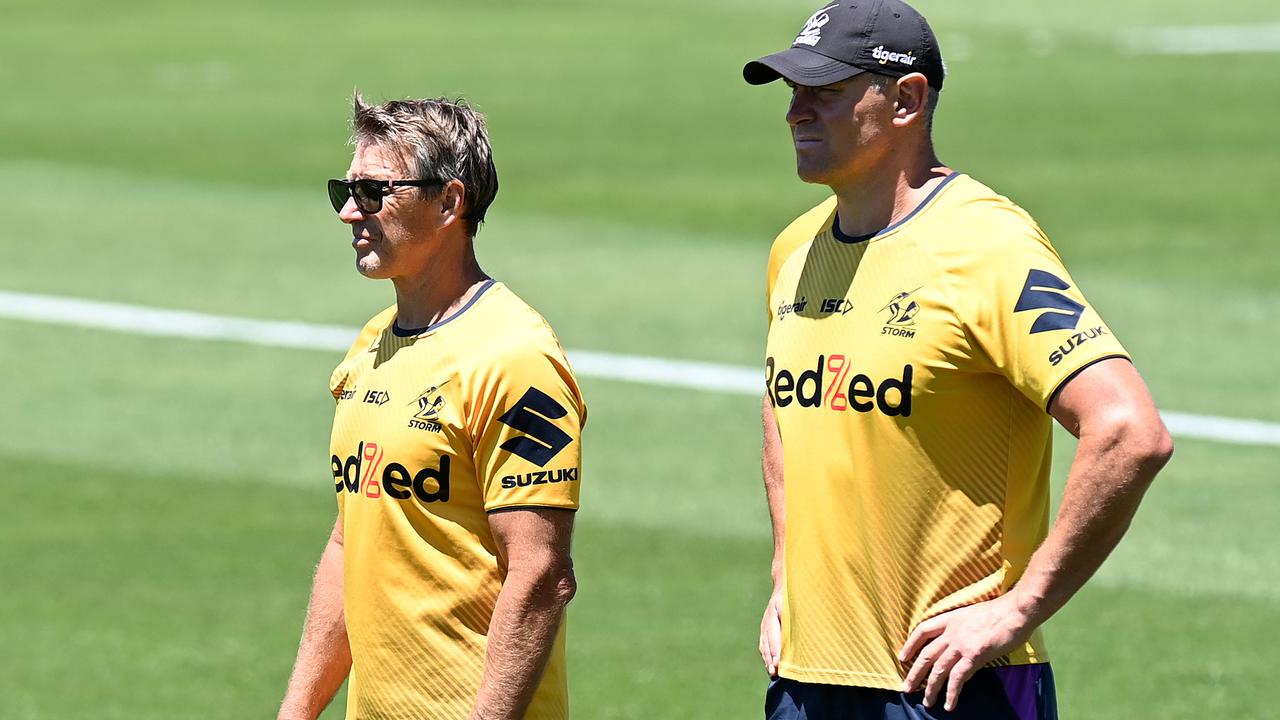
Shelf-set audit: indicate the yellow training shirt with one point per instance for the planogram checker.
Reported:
(432, 431)
(910, 374)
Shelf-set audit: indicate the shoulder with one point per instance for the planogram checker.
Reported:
(512, 327)
(512, 349)
(364, 341)
(509, 336)
(801, 231)
(979, 229)
(372, 330)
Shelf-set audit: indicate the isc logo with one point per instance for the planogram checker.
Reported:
(359, 474)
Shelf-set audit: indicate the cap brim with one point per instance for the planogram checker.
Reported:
(799, 65)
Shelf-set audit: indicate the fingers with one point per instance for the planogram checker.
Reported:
(765, 653)
(771, 639)
(960, 674)
(937, 667)
(923, 633)
(921, 668)
(939, 675)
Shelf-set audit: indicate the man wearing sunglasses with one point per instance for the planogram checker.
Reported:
(455, 453)
(923, 334)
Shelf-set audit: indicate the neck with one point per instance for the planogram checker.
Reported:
(439, 291)
(877, 199)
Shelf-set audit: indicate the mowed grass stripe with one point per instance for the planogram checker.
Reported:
(208, 585)
(706, 376)
(1204, 40)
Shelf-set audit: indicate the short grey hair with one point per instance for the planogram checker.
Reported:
(437, 139)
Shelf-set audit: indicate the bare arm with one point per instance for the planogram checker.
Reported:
(324, 657)
(771, 461)
(533, 543)
(1123, 444)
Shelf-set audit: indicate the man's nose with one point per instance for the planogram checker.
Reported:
(799, 110)
(350, 214)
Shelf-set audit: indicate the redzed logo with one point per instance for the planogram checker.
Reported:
(358, 474)
(833, 384)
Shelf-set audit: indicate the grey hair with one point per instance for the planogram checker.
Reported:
(437, 139)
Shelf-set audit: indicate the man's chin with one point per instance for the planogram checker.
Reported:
(813, 175)
(370, 267)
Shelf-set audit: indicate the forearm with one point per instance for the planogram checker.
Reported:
(522, 634)
(324, 655)
(1123, 444)
(1112, 469)
(771, 462)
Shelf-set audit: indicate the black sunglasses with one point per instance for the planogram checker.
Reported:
(368, 193)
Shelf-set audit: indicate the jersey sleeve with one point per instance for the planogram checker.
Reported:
(1029, 318)
(527, 420)
(364, 341)
(800, 231)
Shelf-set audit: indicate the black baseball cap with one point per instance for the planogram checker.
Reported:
(850, 37)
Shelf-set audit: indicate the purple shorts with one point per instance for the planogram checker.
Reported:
(1014, 692)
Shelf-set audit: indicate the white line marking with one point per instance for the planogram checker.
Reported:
(714, 377)
(1203, 40)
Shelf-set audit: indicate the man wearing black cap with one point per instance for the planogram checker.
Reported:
(922, 332)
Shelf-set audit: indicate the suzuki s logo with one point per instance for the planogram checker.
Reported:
(812, 31)
(532, 416)
(1042, 291)
(833, 385)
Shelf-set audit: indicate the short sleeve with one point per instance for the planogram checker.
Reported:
(799, 232)
(363, 342)
(527, 418)
(1030, 318)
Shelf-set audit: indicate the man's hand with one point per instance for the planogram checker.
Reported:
(771, 633)
(771, 464)
(949, 648)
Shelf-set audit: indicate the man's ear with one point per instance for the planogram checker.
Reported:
(452, 203)
(911, 99)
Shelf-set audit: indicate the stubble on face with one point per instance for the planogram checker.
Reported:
(837, 129)
(385, 242)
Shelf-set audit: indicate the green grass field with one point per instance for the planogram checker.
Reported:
(166, 500)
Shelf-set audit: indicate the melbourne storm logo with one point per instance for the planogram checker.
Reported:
(811, 33)
(900, 315)
(1043, 291)
(429, 403)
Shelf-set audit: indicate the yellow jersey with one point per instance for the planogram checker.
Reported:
(434, 428)
(910, 373)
